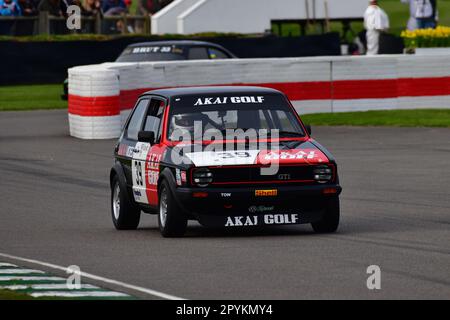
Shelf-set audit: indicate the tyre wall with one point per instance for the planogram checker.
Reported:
(101, 96)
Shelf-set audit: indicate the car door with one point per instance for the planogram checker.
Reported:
(146, 156)
(129, 138)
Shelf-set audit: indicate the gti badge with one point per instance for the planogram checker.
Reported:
(284, 176)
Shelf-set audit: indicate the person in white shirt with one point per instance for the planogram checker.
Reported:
(426, 13)
(375, 22)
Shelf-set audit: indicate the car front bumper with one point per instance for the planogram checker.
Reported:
(256, 206)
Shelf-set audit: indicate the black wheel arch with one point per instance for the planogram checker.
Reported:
(168, 175)
(117, 171)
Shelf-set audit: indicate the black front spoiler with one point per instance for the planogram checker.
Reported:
(241, 207)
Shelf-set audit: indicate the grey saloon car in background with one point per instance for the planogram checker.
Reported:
(167, 51)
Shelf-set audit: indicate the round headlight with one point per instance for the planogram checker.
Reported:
(202, 177)
(323, 174)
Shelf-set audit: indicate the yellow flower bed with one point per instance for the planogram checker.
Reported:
(427, 38)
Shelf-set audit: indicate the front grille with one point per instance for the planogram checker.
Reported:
(253, 175)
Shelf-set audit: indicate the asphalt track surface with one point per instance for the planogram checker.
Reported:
(54, 207)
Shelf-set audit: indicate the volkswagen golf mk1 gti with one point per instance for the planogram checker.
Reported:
(228, 157)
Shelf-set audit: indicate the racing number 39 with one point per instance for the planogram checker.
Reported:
(236, 154)
(138, 170)
(138, 173)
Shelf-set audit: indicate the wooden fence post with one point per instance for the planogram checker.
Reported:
(43, 25)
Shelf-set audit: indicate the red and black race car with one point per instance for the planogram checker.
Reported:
(231, 157)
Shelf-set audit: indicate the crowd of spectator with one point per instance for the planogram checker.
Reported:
(58, 8)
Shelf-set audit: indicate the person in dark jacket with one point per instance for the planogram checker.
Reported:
(55, 8)
(29, 7)
(146, 7)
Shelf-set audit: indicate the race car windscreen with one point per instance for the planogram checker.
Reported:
(220, 113)
(151, 53)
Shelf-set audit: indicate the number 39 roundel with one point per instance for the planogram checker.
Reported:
(138, 164)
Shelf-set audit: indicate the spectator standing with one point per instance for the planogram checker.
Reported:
(146, 7)
(426, 13)
(55, 8)
(113, 7)
(376, 21)
(412, 21)
(92, 8)
(10, 8)
(29, 7)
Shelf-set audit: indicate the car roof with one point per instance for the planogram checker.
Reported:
(211, 90)
(182, 43)
(173, 42)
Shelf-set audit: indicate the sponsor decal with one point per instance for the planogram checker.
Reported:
(153, 176)
(293, 154)
(267, 219)
(178, 176)
(125, 150)
(266, 193)
(254, 209)
(183, 177)
(122, 149)
(223, 158)
(240, 221)
(129, 152)
(153, 161)
(225, 100)
(154, 49)
(281, 218)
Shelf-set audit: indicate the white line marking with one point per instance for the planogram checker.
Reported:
(78, 294)
(19, 271)
(16, 287)
(60, 286)
(98, 278)
(4, 264)
(52, 286)
(27, 278)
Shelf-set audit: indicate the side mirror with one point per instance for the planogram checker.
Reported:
(146, 136)
(308, 129)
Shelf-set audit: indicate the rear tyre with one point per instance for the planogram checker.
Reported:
(125, 215)
(330, 220)
(171, 220)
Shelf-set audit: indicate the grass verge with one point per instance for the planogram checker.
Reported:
(12, 295)
(395, 118)
(35, 97)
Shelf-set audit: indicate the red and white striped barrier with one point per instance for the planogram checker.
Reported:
(101, 96)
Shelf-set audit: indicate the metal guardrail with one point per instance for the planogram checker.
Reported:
(48, 24)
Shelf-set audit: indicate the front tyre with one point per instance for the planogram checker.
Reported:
(330, 220)
(171, 220)
(125, 215)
